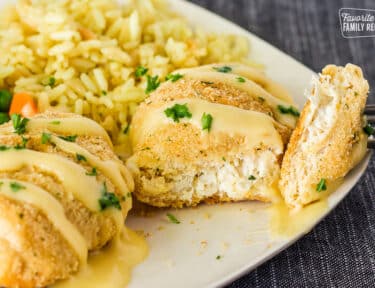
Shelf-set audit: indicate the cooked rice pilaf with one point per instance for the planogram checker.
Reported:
(81, 56)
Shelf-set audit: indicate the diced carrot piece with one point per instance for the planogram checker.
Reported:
(24, 104)
(86, 34)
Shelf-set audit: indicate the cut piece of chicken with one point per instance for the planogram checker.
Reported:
(177, 162)
(63, 193)
(329, 139)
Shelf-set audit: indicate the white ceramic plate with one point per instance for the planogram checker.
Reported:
(184, 255)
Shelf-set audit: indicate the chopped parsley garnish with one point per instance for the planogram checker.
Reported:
(178, 111)
(45, 138)
(321, 186)
(81, 157)
(223, 69)
(261, 99)
(251, 177)
(206, 121)
(50, 81)
(174, 77)
(288, 110)
(173, 218)
(4, 148)
(152, 83)
(5, 100)
(104, 93)
(369, 130)
(16, 186)
(56, 122)
(70, 138)
(218, 257)
(19, 123)
(4, 117)
(207, 82)
(126, 130)
(22, 145)
(93, 172)
(140, 71)
(241, 79)
(223, 158)
(108, 199)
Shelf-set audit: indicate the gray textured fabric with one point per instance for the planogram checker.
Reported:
(340, 251)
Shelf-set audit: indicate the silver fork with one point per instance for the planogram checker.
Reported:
(370, 113)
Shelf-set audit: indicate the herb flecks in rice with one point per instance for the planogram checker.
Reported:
(89, 66)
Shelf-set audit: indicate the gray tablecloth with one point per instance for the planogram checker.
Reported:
(340, 251)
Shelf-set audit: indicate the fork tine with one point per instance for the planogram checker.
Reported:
(371, 143)
(370, 109)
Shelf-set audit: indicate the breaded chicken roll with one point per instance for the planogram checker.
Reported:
(329, 139)
(63, 193)
(209, 140)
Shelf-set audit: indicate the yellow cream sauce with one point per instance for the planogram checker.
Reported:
(248, 86)
(111, 266)
(250, 73)
(287, 222)
(257, 127)
(51, 207)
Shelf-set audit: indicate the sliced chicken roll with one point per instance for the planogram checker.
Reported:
(63, 193)
(329, 139)
(206, 140)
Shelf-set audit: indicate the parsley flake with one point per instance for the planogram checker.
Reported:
(81, 157)
(46, 137)
(22, 145)
(288, 110)
(108, 199)
(241, 79)
(206, 121)
(4, 117)
(50, 81)
(224, 69)
(178, 111)
(251, 177)
(15, 187)
(126, 130)
(140, 71)
(70, 138)
(93, 172)
(4, 148)
(321, 186)
(19, 123)
(56, 122)
(152, 83)
(218, 257)
(174, 77)
(207, 82)
(173, 218)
